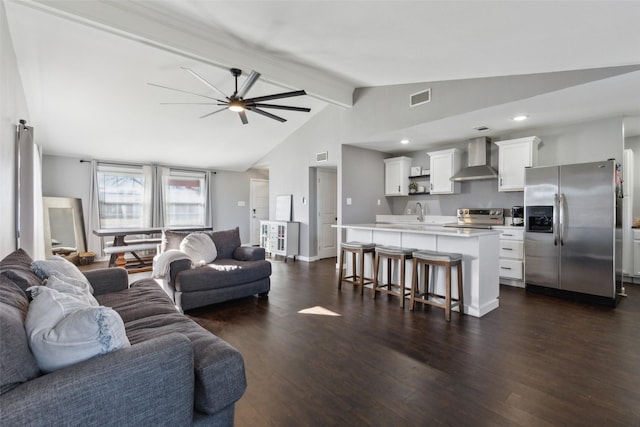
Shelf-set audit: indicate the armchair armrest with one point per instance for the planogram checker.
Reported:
(150, 383)
(107, 280)
(249, 253)
(177, 266)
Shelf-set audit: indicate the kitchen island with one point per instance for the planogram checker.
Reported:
(480, 250)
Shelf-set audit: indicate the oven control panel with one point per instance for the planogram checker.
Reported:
(489, 216)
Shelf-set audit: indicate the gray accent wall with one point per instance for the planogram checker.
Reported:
(13, 107)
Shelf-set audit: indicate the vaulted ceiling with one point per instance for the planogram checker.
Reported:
(85, 65)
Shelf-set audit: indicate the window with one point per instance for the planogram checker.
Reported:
(185, 198)
(124, 196)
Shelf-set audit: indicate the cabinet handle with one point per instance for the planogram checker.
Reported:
(505, 234)
(500, 181)
(431, 186)
(398, 188)
(506, 268)
(507, 249)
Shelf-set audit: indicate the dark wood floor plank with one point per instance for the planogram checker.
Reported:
(535, 361)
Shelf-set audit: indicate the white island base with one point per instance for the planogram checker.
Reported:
(480, 250)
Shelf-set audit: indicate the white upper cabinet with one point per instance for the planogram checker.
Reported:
(444, 164)
(513, 156)
(396, 176)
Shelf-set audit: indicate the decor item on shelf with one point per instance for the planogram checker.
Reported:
(236, 102)
(413, 187)
(86, 258)
(415, 170)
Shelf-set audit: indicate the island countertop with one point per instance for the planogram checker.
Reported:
(423, 229)
(479, 248)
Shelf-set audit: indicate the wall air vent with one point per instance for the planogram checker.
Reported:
(420, 98)
(322, 157)
(482, 128)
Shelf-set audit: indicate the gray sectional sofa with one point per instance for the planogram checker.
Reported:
(237, 272)
(175, 372)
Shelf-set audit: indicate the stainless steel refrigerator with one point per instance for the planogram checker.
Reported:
(570, 229)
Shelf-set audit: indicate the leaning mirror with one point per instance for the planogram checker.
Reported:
(63, 226)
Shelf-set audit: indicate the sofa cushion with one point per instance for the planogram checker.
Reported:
(59, 266)
(226, 242)
(144, 298)
(219, 368)
(199, 247)
(63, 330)
(17, 364)
(222, 273)
(17, 267)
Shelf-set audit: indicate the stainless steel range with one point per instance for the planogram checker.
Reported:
(478, 218)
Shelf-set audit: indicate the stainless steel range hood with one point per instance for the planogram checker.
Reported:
(478, 156)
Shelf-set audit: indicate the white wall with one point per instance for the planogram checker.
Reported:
(290, 161)
(12, 108)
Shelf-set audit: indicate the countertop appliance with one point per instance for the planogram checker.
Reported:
(478, 218)
(517, 216)
(570, 229)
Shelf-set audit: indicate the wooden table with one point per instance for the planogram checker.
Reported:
(121, 246)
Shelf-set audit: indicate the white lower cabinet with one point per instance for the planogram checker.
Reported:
(511, 256)
(280, 238)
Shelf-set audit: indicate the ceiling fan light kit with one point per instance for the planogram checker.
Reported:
(236, 102)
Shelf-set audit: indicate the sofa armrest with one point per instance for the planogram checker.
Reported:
(178, 266)
(107, 280)
(150, 383)
(249, 253)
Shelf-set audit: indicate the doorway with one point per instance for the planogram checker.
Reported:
(327, 207)
(259, 207)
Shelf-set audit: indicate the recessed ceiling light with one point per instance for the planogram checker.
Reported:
(520, 118)
(404, 141)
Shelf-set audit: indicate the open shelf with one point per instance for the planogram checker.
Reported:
(420, 176)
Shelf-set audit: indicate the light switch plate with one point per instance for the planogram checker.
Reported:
(241, 203)
(348, 200)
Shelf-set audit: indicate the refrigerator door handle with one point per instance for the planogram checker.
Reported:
(562, 201)
(554, 225)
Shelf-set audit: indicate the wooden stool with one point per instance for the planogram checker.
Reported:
(360, 249)
(391, 253)
(443, 259)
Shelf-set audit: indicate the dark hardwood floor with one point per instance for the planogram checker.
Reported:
(535, 361)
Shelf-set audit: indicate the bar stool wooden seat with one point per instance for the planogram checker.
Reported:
(391, 253)
(437, 259)
(358, 249)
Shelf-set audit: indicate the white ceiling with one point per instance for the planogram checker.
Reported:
(85, 65)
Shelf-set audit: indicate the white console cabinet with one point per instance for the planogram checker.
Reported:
(280, 238)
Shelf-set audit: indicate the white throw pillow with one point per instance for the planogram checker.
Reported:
(72, 286)
(200, 248)
(64, 330)
(60, 266)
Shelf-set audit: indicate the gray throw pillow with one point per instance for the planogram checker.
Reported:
(17, 267)
(17, 364)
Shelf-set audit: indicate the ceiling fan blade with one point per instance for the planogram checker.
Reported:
(264, 113)
(212, 113)
(276, 96)
(184, 91)
(253, 77)
(191, 103)
(199, 77)
(281, 107)
(243, 117)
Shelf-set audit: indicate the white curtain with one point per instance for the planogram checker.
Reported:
(94, 243)
(30, 223)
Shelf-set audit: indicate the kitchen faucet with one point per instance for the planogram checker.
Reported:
(419, 209)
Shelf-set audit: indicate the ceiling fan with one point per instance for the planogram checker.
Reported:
(236, 102)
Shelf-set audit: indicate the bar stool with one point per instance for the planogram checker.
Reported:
(359, 249)
(390, 253)
(442, 259)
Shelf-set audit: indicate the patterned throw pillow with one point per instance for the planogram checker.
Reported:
(61, 267)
